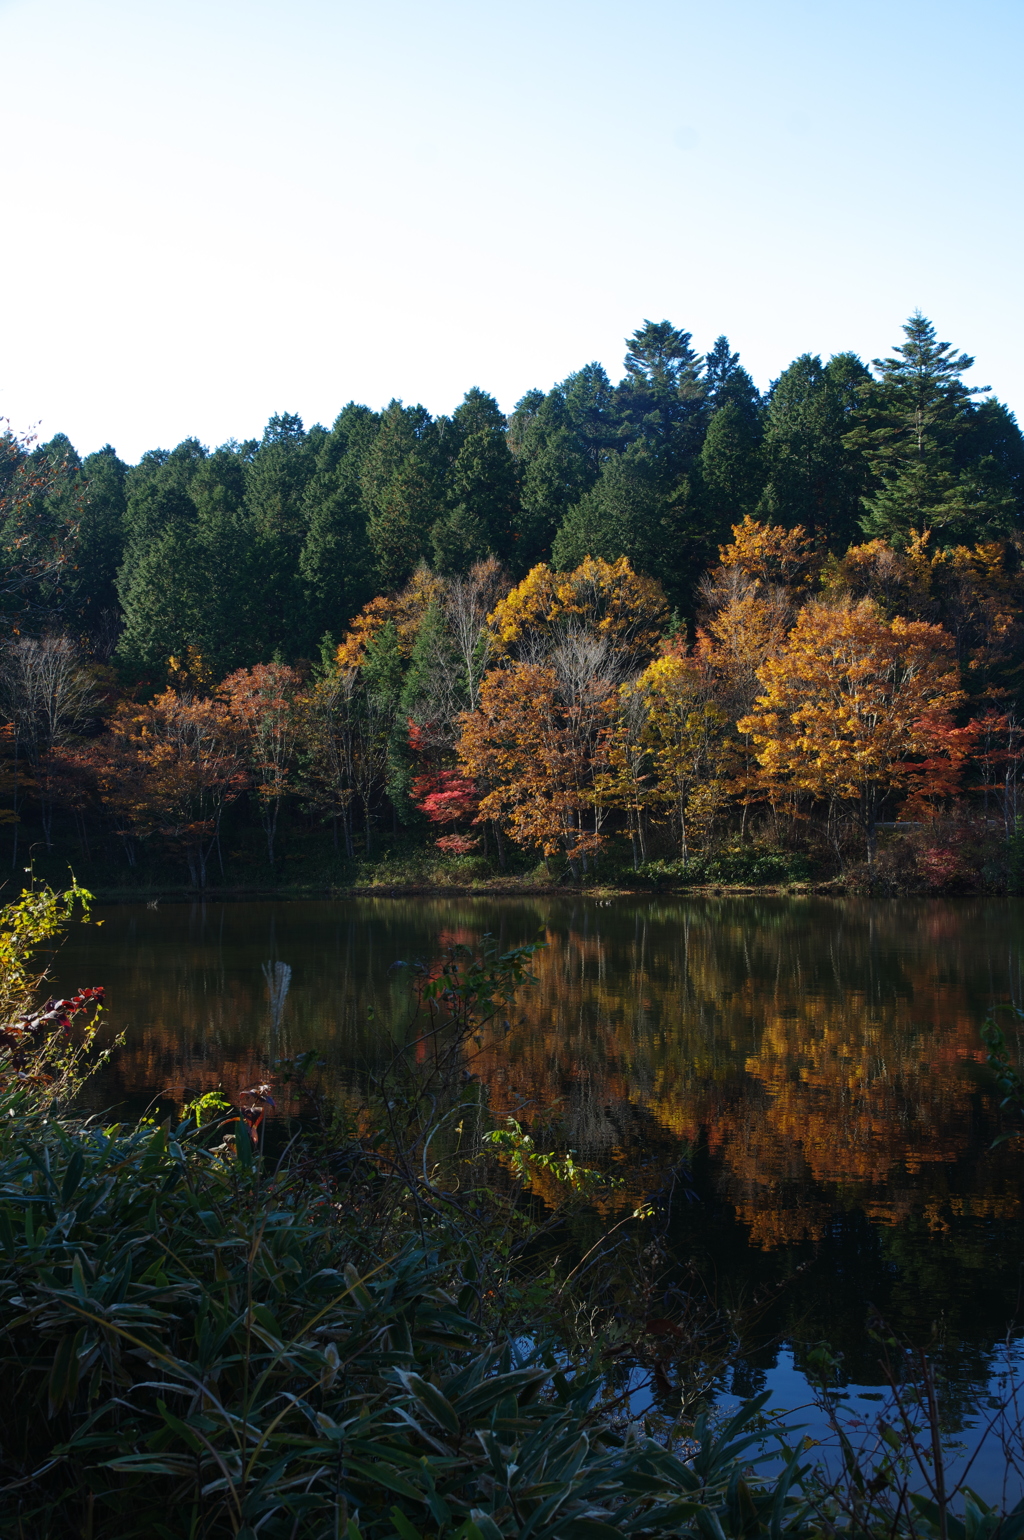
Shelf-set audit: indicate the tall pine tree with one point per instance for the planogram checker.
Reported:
(912, 422)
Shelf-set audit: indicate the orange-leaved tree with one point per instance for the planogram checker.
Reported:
(523, 745)
(263, 705)
(405, 610)
(171, 767)
(851, 700)
(771, 554)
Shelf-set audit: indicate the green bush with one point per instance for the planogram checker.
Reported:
(748, 865)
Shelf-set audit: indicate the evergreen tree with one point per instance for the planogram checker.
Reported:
(991, 454)
(42, 519)
(591, 408)
(731, 469)
(911, 423)
(387, 730)
(401, 486)
(458, 539)
(100, 548)
(634, 510)
(725, 379)
(477, 412)
(482, 491)
(193, 584)
(560, 441)
(155, 579)
(663, 399)
(334, 563)
(158, 493)
(812, 475)
(275, 487)
(226, 585)
(157, 601)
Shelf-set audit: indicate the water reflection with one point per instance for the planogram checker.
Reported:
(816, 1061)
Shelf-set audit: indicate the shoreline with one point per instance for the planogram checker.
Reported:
(498, 888)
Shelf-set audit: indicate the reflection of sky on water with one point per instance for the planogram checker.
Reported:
(816, 1063)
(985, 1454)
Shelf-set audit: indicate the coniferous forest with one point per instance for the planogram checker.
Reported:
(662, 630)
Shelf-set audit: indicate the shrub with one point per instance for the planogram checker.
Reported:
(749, 865)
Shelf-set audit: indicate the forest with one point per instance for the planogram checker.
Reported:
(666, 630)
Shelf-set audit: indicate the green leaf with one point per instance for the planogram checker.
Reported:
(243, 1144)
(931, 1511)
(709, 1524)
(589, 1529)
(438, 1407)
(72, 1177)
(166, 1465)
(182, 1429)
(64, 1372)
(484, 1525)
(406, 1530)
(379, 1475)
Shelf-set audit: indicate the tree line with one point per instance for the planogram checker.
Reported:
(649, 612)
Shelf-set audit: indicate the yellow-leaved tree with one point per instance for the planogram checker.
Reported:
(849, 703)
(668, 746)
(606, 600)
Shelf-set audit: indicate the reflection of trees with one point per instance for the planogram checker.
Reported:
(826, 1054)
(823, 1055)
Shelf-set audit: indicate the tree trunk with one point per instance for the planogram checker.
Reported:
(870, 807)
(14, 856)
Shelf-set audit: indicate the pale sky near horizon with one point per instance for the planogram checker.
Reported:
(217, 210)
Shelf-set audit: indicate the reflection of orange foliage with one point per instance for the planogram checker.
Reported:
(812, 1095)
(825, 1055)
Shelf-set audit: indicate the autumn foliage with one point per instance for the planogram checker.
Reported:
(566, 713)
(849, 700)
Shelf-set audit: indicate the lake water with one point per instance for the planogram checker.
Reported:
(815, 1061)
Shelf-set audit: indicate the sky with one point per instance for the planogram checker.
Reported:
(222, 209)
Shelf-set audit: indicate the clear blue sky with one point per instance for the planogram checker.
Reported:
(218, 209)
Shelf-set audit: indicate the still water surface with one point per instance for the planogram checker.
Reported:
(816, 1061)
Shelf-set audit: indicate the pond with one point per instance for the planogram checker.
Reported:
(812, 1065)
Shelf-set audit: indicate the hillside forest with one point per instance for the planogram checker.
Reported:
(665, 630)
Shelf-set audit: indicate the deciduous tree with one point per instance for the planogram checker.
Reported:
(851, 699)
(186, 767)
(521, 746)
(262, 702)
